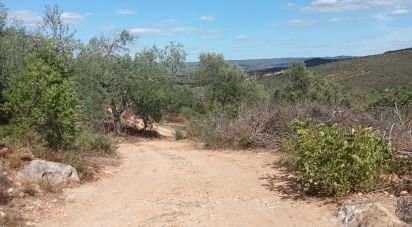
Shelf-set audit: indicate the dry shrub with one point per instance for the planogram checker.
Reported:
(267, 126)
(5, 184)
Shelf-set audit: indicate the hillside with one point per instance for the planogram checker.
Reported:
(391, 69)
(382, 71)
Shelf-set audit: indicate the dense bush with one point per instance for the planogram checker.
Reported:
(44, 98)
(331, 161)
(226, 87)
(303, 85)
(91, 142)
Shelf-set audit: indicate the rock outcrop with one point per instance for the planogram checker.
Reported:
(52, 175)
(366, 214)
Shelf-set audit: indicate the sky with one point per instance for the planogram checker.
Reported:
(240, 29)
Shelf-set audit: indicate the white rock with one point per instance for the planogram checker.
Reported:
(52, 174)
(367, 214)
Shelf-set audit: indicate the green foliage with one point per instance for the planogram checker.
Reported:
(44, 97)
(150, 98)
(144, 83)
(246, 142)
(22, 135)
(179, 135)
(88, 141)
(400, 97)
(305, 86)
(226, 86)
(331, 161)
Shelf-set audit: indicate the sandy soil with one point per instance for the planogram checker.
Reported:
(170, 183)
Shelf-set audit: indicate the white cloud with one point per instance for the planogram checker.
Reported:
(335, 20)
(208, 18)
(290, 5)
(72, 18)
(32, 19)
(301, 23)
(387, 16)
(390, 38)
(162, 31)
(125, 12)
(245, 38)
(399, 12)
(146, 31)
(186, 30)
(27, 17)
(348, 5)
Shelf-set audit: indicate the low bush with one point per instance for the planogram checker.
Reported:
(332, 161)
(303, 85)
(23, 141)
(179, 135)
(246, 143)
(88, 141)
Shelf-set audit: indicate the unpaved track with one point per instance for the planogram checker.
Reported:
(168, 183)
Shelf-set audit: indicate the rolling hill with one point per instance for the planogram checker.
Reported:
(360, 75)
(391, 69)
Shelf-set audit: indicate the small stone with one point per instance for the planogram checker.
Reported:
(10, 190)
(386, 193)
(2, 214)
(404, 193)
(21, 194)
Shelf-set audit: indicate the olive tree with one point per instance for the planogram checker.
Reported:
(226, 86)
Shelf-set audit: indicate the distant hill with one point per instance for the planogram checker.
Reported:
(310, 62)
(264, 64)
(321, 61)
(391, 69)
(259, 64)
(273, 65)
(360, 75)
(395, 51)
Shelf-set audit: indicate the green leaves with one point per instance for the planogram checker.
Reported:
(46, 100)
(226, 86)
(305, 86)
(331, 161)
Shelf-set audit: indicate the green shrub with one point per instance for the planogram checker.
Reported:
(303, 85)
(179, 135)
(43, 97)
(246, 142)
(333, 162)
(75, 159)
(89, 141)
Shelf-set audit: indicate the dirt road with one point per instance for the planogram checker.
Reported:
(169, 183)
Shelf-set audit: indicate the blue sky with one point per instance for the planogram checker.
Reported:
(241, 29)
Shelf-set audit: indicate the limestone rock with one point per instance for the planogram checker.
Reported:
(52, 175)
(366, 214)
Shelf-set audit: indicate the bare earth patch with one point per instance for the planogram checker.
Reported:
(168, 183)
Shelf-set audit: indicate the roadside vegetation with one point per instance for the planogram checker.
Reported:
(60, 98)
